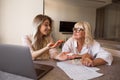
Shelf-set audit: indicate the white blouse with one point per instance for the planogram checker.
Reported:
(95, 50)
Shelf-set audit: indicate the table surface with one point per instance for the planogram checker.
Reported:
(110, 72)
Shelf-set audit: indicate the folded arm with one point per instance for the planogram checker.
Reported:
(87, 60)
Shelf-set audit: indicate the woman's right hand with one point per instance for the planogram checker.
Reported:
(49, 45)
(54, 45)
(66, 55)
(62, 56)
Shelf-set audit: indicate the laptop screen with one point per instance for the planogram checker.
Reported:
(17, 59)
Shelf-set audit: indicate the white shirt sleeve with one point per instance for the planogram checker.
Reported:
(99, 52)
(68, 46)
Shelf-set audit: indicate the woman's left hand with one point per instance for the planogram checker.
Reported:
(87, 62)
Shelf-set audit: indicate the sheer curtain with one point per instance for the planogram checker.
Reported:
(99, 30)
(108, 22)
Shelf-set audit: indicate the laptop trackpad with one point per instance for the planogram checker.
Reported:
(42, 69)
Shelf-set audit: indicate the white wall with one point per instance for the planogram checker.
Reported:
(16, 18)
(63, 11)
(0, 20)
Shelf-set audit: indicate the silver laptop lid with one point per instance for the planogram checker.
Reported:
(16, 60)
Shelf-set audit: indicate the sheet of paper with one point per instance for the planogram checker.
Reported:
(77, 71)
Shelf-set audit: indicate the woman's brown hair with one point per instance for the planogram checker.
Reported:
(39, 41)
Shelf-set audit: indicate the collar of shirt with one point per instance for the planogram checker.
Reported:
(83, 50)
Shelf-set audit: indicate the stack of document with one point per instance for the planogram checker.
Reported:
(77, 71)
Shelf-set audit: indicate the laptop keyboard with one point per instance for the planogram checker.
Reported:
(42, 69)
(39, 71)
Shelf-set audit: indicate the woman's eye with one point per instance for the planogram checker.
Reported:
(46, 25)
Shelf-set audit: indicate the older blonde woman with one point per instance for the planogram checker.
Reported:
(82, 43)
(40, 41)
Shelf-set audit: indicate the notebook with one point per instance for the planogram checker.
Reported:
(17, 60)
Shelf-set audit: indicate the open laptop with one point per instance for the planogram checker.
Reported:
(17, 60)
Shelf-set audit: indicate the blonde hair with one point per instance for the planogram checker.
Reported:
(39, 41)
(88, 34)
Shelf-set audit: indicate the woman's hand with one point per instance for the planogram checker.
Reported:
(87, 62)
(62, 56)
(49, 45)
(86, 56)
(73, 56)
(67, 55)
(54, 45)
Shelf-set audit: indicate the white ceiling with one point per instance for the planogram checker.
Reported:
(85, 3)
